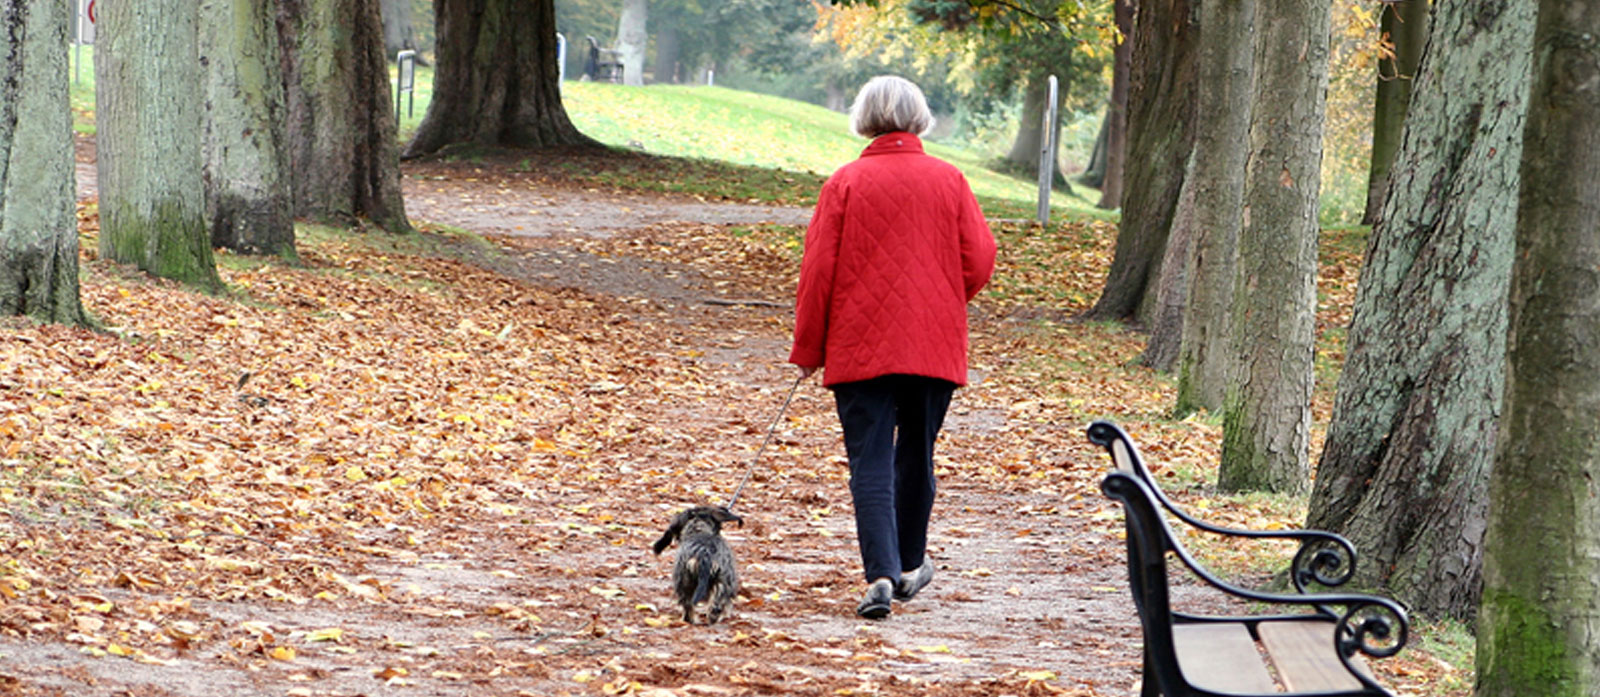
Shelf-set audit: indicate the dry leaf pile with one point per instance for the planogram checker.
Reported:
(392, 471)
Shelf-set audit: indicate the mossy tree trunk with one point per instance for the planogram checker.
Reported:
(38, 228)
(496, 81)
(340, 116)
(1405, 466)
(1117, 108)
(1194, 332)
(1405, 24)
(148, 133)
(248, 204)
(1267, 411)
(1160, 136)
(1539, 626)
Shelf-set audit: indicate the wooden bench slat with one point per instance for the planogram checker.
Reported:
(1304, 655)
(1221, 658)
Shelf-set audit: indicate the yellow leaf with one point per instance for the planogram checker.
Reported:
(1037, 675)
(355, 474)
(118, 650)
(941, 648)
(329, 634)
(281, 653)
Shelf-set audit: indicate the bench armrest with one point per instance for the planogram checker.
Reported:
(1374, 625)
(1323, 557)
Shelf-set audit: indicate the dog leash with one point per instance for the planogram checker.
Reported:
(770, 429)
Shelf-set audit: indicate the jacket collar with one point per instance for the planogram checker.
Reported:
(898, 142)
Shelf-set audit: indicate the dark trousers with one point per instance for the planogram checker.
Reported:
(890, 424)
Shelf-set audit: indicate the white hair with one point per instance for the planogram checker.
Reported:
(887, 104)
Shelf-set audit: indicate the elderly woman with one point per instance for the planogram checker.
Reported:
(895, 250)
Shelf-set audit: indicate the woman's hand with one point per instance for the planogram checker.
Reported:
(807, 370)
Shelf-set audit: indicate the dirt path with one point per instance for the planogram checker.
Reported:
(1029, 596)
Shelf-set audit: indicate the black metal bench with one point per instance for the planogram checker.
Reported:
(1303, 643)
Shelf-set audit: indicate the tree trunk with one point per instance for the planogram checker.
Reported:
(1539, 628)
(1227, 84)
(38, 227)
(246, 174)
(1166, 323)
(1408, 453)
(341, 122)
(496, 81)
(632, 37)
(1405, 23)
(1023, 158)
(148, 117)
(1094, 173)
(667, 45)
(1267, 413)
(1117, 110)
(1160, 136)
(398, 35)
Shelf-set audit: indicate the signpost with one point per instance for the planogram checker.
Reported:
(407, 61)
(1047, 154)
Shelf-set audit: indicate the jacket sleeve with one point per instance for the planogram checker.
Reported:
(977, 244)
(815, 291)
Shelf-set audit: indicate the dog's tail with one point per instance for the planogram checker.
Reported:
(706, 563)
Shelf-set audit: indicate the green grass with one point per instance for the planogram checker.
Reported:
(764, 131)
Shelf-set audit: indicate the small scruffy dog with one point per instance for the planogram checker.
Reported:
(704, 568)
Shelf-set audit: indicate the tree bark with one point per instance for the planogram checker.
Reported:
(1094, 173)
(1405, 465)
(341, 122)
(632, 37)
(1405, 23)
(1160, 136)
(1227, 84)
(496, 81)
(38, 227)
(248, 205)
(1117, 109)
(1539, 628)
(148, 118)
(1166, 323)
(667, 46)
(1267, 413)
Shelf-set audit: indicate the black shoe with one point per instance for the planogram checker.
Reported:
(912, 581)
(875, 604)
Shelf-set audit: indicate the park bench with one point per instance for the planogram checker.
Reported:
(1259, 643)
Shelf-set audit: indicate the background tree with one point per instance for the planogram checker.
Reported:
(1403, 30)
(38, 229)
(148, 118)
(1539, 629)
(399, 32)
(1267, 412)
(632, 37)
(1226, 87)
(495, 79)
(1116, 146)
(248, 203)
(340, 116)
(1160, 137)
(1405, 466)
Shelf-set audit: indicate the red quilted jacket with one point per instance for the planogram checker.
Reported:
(896, 248)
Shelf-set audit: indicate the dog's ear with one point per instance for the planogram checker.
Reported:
(671, 534)
(723, 515)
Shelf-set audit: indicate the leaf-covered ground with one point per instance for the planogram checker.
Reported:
(434, 466)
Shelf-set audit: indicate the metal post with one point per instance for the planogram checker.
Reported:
(407, 63)
(561, 59)
(1047, 154)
